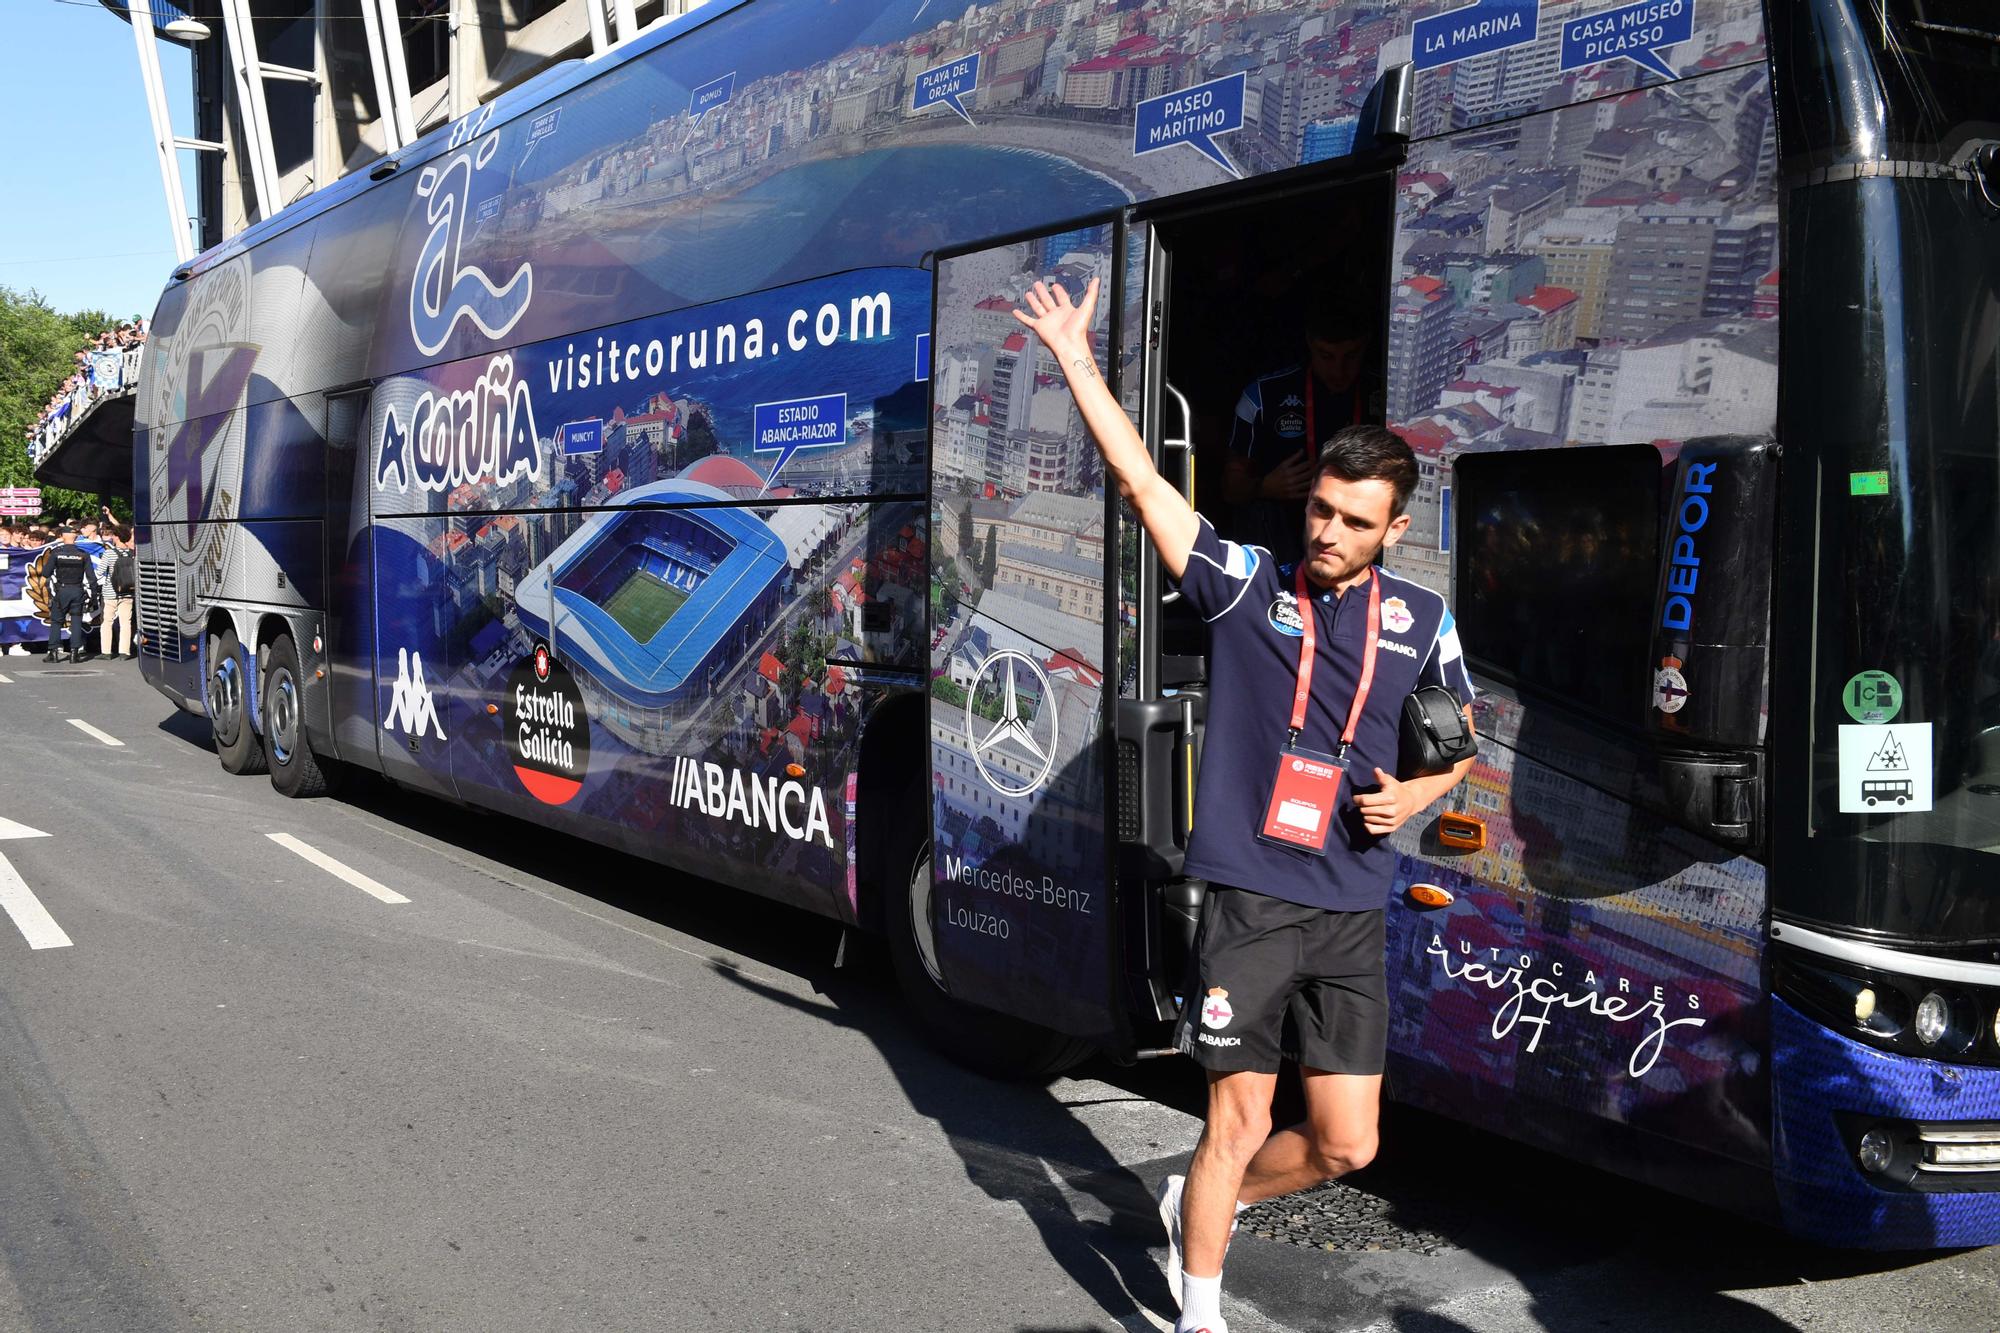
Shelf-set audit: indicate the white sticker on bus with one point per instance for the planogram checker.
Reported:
(1885, 768)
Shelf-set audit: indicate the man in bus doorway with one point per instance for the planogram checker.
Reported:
(1310, 663)
(1283, 418)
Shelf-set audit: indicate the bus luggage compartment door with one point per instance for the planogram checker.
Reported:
(1023, 617)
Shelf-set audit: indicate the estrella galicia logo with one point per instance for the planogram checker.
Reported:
(1010, 722)
(444, 290)
(548, 729)
(1284, 616)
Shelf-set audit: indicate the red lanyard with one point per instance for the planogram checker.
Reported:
(1313, 441)
(1308, 639)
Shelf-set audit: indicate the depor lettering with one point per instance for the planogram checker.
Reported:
(1684, 573)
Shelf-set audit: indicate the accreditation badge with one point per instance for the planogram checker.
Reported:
(1304, 793)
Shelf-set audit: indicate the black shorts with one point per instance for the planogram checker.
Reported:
(1274, 980)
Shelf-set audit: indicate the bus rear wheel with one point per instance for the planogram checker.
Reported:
(991, 1043)
(236, 742)
(295, 769)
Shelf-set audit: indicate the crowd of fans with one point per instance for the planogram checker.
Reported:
(108, 365)
(110, 612)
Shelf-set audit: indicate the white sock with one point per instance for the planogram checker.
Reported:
(1201, 1303)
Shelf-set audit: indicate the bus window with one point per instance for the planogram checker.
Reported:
(1558, 554)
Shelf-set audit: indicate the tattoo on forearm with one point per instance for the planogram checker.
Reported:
(1086, 365)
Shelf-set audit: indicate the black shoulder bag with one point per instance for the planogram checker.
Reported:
(1435, 736)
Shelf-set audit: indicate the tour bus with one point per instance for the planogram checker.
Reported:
(652, 455)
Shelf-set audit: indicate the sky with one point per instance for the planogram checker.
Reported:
(85, 222)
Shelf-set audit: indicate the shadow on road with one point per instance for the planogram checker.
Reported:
(1583, 1249)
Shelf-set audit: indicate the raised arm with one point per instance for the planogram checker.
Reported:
(1064, 328)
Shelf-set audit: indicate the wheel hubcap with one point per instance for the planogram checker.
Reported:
(284, 723)
(925, 935)
(225, 704)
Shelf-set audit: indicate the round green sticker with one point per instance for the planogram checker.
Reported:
(1872, 696)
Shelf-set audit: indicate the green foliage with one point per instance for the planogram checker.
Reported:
(37, 352)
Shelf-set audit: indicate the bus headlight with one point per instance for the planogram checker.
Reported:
(1864, 1005)
(1933, 1018)
(1876, 1152)
(1996, 1027)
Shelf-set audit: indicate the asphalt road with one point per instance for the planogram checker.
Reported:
(559, 1088)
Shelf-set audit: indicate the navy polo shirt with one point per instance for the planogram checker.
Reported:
(1249, 602)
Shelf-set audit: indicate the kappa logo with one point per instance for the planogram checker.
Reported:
(1025, 731)
(1215, 1010)
(412, 710)
(1396, 616)
(1284, 616)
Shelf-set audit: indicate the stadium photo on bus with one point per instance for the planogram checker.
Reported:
(655, 458)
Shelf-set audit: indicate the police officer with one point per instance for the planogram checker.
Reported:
(1310, 664)
(72, 587)
(1283, 418)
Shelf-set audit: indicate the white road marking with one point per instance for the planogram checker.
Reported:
(33, 919)
(94, 733)
(336, 869)
(9, 831)
(6, 680)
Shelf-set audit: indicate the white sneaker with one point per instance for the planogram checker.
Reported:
(1168, 1195)
(1212, 1326)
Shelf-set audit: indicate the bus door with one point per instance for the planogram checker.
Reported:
(427, 595)
(1025, 609)
(1579, 932)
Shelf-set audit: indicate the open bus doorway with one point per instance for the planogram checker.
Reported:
(1272, 321)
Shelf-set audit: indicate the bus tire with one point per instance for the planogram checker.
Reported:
(992, 1043)
(295, 769)
(228, 698)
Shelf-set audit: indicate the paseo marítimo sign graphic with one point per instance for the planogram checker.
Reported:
(1193, 116)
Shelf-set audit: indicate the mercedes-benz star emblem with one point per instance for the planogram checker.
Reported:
(1030, 758)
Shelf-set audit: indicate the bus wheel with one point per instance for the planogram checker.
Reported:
(236, 743)
(992, 1043)
(295, 769)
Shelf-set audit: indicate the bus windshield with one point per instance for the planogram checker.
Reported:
(1905, 717)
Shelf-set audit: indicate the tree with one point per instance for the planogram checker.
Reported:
(701, 441)
(38, 350)
(990, 562)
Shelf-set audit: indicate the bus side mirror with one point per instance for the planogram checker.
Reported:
(1712, 613)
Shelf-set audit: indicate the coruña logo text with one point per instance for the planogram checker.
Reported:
(486, 432)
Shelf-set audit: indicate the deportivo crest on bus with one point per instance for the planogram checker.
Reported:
(443, 290)
(485, 433)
